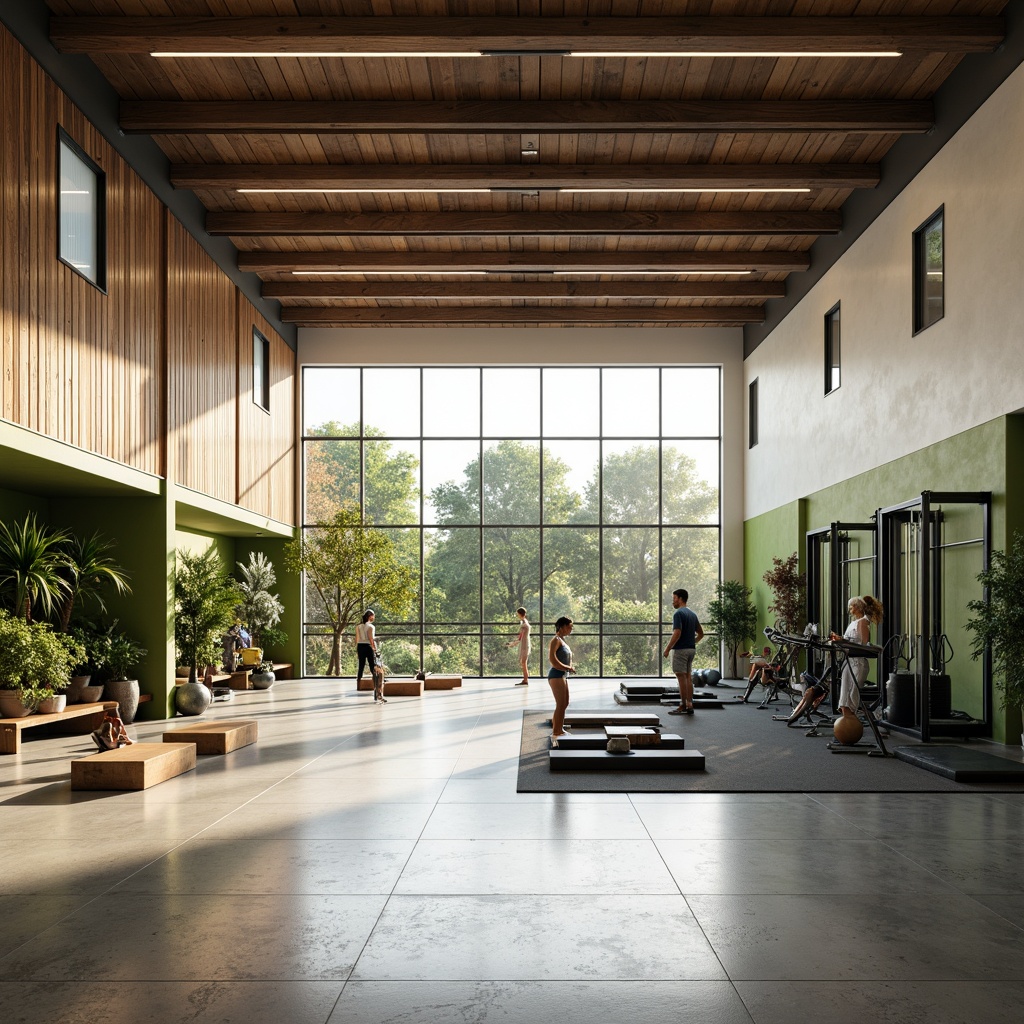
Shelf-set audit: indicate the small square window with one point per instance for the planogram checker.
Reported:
(752, 414)
(929, 266)
(260, 370)
(833, 350)
(81, 212)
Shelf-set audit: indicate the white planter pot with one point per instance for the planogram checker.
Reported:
(53, 705)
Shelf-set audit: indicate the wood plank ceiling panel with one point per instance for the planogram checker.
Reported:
(519, 129)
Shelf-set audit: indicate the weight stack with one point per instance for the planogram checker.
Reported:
(899, 698)
(940, 696)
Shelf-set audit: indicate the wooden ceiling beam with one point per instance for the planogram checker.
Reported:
(475, 224)
(504, 117)
(550, 289)
(523, 36)
(218, 177)
(662, 261)
(386, 315)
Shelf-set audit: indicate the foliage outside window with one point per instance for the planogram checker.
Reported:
(929, 272)
(833, 350)
(81, 212)
(586, 492)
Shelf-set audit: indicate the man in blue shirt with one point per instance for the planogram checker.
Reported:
(682, 646)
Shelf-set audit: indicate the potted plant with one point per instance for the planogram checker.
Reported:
(90, 668)
(732, 620)
(260, 611)
(35, 663)
(998, 623)
(789, 591)
(120, 656)
(204, 603)
(31, 563)
(87, 572)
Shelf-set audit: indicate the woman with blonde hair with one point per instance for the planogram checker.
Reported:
(863, 612)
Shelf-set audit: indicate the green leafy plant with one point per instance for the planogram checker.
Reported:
(789, 590)
(351, 566)
(731, 620)
(35, 661)
(998, 622)
(204, 607)
(259, 609)
(117, 654)
(32, 561)
(88, 571)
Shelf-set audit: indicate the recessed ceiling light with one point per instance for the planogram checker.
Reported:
(648, 273)
(712, 188)
(309, 53)
(738, 53)
(677, 54)
(378, 270)
(352, 191)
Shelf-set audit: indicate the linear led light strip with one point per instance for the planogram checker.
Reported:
(513, 191)
(513, 270)
(536, 53)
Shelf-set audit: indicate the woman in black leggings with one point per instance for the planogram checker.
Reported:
(366, 644)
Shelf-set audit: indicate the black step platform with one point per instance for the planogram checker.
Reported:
(962, 764)
(597, 719)
(642, 759)
(670, 699)
(598, 741)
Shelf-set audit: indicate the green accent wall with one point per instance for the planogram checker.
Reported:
(989, 457)
(288, 588)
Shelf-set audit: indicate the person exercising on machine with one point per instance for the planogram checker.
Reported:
(863, 612)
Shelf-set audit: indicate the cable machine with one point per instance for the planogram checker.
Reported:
(841, 563)
(930, 551)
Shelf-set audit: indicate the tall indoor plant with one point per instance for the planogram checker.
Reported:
(88, 572)
(998, 622)
(204, 606)
(732, 620)
(789, 592)
(31, 563)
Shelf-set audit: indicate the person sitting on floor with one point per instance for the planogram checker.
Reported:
(814, 693)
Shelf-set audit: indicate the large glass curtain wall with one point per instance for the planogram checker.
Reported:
(588, 492)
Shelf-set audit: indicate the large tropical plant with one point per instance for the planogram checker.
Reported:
(731, 620)
(258, 608)
(351, 566)
(32, 560)
(88, 572)
(998, 623)
(204, 607)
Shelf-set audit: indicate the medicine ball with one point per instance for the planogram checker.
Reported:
(699, 677)
(847, 730)
(712, 677)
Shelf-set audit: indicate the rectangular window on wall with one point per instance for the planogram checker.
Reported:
(260, 370)
(752, 414)
(833, 350)
(81, 212)
(929, 265)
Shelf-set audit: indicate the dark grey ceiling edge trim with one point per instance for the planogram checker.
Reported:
(28, 20)
(973, 81)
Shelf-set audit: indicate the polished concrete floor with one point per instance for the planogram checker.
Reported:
(375, 864)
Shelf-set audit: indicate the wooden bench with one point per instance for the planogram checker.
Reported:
(216, 737)
(403, 687)
(138, 766)
(12, 728)
(442, 682)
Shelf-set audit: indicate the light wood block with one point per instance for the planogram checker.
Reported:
(240, 680)
(283, 669)
(12, 728)
(366, 683)
(442, 682)
(403, 688)
(216, 737)
(136, 767)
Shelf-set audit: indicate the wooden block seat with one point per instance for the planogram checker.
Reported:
(136, 767)
(441, 681)
(408, 687)
(12, 728)
(283, 669)
(216, 737)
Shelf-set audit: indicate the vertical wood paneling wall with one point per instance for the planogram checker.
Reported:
(266, 440)
(156, 373)
(78, 365)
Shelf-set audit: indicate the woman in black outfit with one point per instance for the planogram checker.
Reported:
(366, 645)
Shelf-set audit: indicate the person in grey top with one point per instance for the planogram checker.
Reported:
(682, 646)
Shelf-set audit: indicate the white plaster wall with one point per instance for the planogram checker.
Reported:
(899, 392)
(661, 346)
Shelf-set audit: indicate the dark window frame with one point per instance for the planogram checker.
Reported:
(100, 281)
(752, 413)
(259, 338)
(833, 349)
(921, 320)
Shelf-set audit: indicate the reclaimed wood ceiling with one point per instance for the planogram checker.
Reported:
(426, 188)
